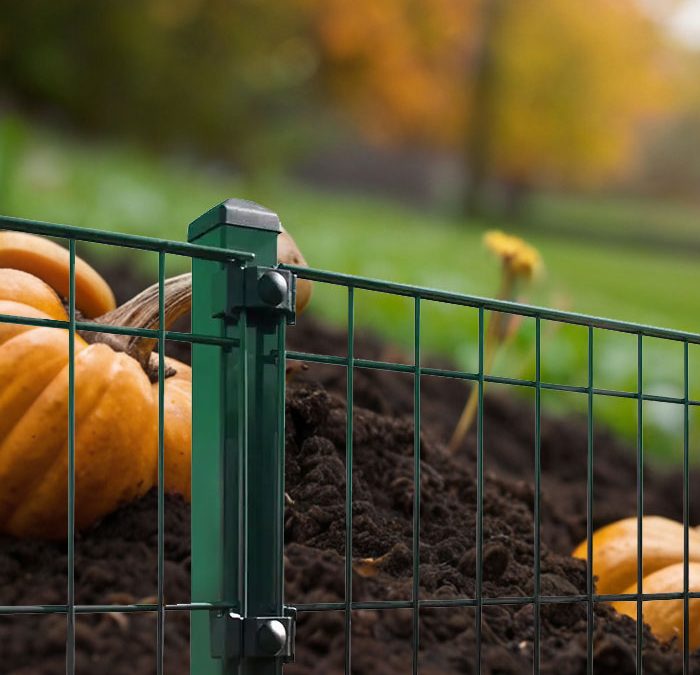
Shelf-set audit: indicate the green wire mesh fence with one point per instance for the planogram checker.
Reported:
(73, 325)
(239, 623)
(479, 378)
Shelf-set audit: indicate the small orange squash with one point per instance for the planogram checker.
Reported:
(615, 566)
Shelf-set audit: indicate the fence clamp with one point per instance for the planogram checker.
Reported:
(262, 637)
(262, 289)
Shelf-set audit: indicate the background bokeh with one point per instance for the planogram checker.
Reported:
(389, 135)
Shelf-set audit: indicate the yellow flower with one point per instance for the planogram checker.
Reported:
(519, 258)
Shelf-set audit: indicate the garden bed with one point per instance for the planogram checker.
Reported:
(116, 561)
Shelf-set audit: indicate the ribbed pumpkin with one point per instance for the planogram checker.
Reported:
(116, 405)
(116, 397)
(615, 566)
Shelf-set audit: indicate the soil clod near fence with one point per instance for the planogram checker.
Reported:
(116, 562)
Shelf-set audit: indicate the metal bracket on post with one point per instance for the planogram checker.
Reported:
(262, 289)
(236, 637)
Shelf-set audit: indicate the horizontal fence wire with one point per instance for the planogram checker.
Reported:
(490, 304)
(493, 601)
(91, 327)
(6, 610)
(134, 241)
(492, 379)
(341, 606)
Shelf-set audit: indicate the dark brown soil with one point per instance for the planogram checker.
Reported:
(116, 561)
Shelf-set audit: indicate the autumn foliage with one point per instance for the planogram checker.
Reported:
(523, 90)
(571, 84)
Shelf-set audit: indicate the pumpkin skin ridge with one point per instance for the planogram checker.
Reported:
(50, 262)
(52, 484)
(13, 337)
(8, 331)
(25, 288)
(34, 482)
(51, 373)
(177, 436)
(148, 431)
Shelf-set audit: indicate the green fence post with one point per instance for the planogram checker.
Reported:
(238, 447)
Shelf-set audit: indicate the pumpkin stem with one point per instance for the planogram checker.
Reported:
(143, 311)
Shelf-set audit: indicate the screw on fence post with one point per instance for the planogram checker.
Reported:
(238, 447)
(272, 637)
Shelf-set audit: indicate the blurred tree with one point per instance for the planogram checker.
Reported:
(672, 162)
(528, 91)
(233, 79)
(535, 90)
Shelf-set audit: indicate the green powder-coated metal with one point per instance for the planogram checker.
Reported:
(160, 623)
(686, 514)
(238, 444)
(480, 493)
(537, 495)
(70, 616)
(416, 484)
(590, 623)
(347, 606)
(640, 502)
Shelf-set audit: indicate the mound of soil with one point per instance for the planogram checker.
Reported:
(116, 560)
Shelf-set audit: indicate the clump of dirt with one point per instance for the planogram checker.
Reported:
(116, 560)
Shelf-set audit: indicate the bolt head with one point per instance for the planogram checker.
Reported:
(272, 636)
(272, 288)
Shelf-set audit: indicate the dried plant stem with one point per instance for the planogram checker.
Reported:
(143, 311)
(497, 333)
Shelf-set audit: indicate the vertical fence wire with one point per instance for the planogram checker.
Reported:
(242, 506)
(281, 422)
(479, 493)
(538, 477)
(640, 501)
(70, 618)
(589, 511)
(416, 483)
(348, 479)
(160, 630)
(686, 514)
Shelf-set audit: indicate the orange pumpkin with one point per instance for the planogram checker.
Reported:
(116, 400)
(615, 566)
(114, 458)
(51, 262)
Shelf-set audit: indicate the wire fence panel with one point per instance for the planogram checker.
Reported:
(479, 379)
(239, 623)
(73, 325)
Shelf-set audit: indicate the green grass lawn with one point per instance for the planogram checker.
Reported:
(48, 177)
